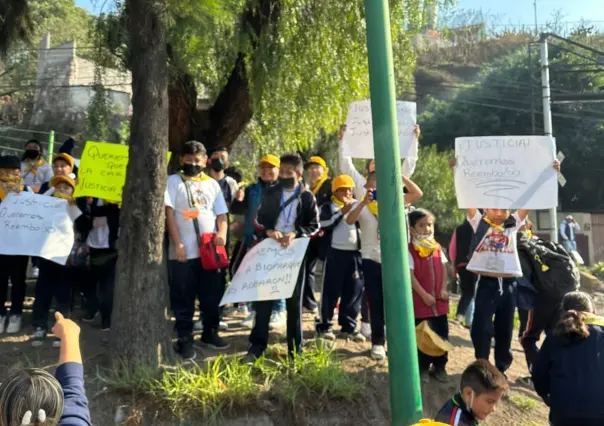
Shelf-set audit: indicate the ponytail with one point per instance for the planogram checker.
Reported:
(572, 327)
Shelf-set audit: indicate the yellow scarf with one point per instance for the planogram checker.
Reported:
(33, 167)
(425, 247)
(373, 208)
(9, 182)
(58, 194)
(337, 202)
(592, 319)
(199, 178)
(320, 182)
(493, 225)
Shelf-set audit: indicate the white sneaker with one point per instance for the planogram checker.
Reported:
(2, 324)
(366, 330)
(198, 326)
(37, 339)
(378, 352)
(243, 310)
(278, 319)
(35, 272)
(223, 326)
(249, 321)
(14, 324)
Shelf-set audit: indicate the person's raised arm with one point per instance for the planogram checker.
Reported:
(414, 194)
(355, 213)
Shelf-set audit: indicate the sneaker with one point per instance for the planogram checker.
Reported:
(249, 321)
(314, 310)
(214, 342)
(460, 319)
(56, 343)
(355, 336)
(440, 374)
(336, 313)
(424, 377)
(105, 325)
(89, 317)
(37, 339)
(366, 330)
(2, 323)
(35, 272)
(242, 310)
(327, 335)
(278, 320)
(222, 326)
(198, 326)
(249, 358)
(184, 347)
(14, 324)
(378, 352)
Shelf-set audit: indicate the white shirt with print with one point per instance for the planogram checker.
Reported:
(209, 202)
(370, 235)
(496, 254)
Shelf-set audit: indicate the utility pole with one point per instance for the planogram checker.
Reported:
(405, 390)
(536, 25)
(547, 119)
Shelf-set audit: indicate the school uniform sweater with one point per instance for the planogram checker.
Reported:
(337, 233)
(456, 413)
(75, 405)
(429, 273)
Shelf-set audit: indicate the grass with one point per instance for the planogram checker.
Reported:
(225, 385)
(522, 402)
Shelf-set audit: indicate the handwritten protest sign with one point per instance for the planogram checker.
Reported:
(358, 139)
(506, 172)
(102, 171)
(268, 272)
(37, 225)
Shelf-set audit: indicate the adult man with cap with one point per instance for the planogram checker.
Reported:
(568, 228)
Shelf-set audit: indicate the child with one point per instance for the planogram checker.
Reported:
(481, 388)
(62, 165)
(13, 267)
(343, 264)
(34, 397)
(55, 281)
(429, 281)
(287, 211)
(34, 169)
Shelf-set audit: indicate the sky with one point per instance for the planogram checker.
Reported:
(508, 11)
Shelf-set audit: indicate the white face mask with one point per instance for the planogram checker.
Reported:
(424, 237)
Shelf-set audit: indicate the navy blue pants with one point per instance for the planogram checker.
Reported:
(15, 268)
(372, 274)
(312, 257)
(494, 317)
(101, 284)
(259, 337)
(55, 281)
(440, 325)
(189, 281)
(343, 279)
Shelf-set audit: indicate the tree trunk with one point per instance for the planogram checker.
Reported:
(140, 330)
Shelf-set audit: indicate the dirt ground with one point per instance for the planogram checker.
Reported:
(521, 407)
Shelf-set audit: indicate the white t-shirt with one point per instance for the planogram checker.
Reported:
(343, 236)
(209, 204)
(496, 254)
(98, 237)
(286, 222)
(442, 257)
(370, 235)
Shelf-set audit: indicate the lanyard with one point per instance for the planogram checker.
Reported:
(287, 215)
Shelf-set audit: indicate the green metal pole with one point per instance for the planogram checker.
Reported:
(51, 145)
(405, 390)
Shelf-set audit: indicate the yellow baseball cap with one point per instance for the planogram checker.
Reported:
(317, 160)
(429, 342)
(342, 181)
(65, 157)
(62, 179)
(427, 422)
(271, 159)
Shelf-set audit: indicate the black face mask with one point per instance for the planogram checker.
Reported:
(191, 170)
(32, 154)
(288, 183)
(217, 164)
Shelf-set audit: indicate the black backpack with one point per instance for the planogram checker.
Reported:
(553, 269)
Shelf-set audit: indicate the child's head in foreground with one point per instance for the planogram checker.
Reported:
(30, 397)
(482, 386)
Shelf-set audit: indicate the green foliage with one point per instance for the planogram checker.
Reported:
(435, 178)
(499, 104)
(598, 270)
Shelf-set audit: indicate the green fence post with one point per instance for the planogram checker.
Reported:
(405, 390)
(51, 145)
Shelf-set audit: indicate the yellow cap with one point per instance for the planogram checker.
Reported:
(62, 179)
(342, 181)
(273, 160)
(317, 160)
(427, 422)
(65, 157)
(429, 342)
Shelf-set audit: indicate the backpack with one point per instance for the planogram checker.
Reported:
(554, 272)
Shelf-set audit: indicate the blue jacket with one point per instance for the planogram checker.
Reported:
(75, 410)
(455, 413)
(570, 377)
(249, 207)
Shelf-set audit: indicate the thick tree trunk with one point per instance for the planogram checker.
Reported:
(140, 330)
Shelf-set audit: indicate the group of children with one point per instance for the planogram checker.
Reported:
(339, 215)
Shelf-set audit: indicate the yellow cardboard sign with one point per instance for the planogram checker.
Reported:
(102, 171)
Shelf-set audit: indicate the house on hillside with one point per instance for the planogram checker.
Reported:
(64, 88)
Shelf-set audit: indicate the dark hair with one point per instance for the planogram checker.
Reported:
(234, 173)
(483, 377)
(37, 142)
(417, 215)
(9, 162)
(372, 175)
(367, 163)
(572, 327)
(193, 148)
(219, 149)
(292, 160)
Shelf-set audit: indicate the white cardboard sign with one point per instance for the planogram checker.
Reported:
(267, 272)
(510, 172)
(37, 225)
(358, 139)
